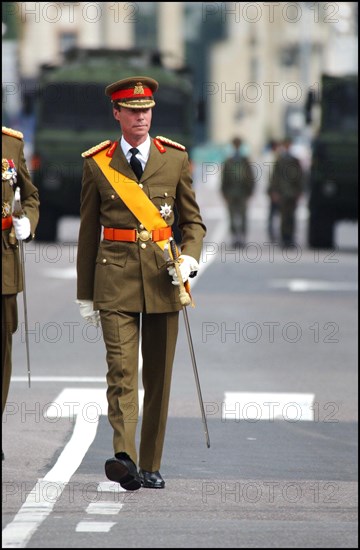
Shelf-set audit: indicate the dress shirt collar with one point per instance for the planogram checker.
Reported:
(144, 150)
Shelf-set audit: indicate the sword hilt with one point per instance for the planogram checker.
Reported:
(185, 299)
(17, 212)
(17, 208)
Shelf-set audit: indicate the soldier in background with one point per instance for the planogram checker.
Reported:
(285, 189)
(237, 186)
(273, 219)
(130, 188)
(14, 174)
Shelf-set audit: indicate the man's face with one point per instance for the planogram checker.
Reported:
(135, 123)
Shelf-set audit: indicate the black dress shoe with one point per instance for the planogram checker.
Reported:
(123, 470)
(151, 480)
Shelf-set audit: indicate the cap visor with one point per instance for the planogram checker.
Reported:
(140, 104)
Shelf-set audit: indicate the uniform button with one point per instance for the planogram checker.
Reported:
(166, 194)
(143, 245)
(141, 226)
(113, 196)
(104, 261)
(141, 185)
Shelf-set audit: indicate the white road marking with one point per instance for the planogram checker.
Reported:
(94, 526)
(306, 285)
(110, 487)
(86, 404)
(108, 508)
(270, 406)
(90, 402)
(61, 273)
(40, 503)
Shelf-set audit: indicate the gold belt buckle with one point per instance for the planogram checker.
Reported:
(144, 235)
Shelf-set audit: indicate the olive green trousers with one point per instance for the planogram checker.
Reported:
(9, 322)
(122, 334)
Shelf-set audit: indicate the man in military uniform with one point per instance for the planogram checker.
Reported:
(237, 185)
(285, 189)
(129, 189)
(14, 174)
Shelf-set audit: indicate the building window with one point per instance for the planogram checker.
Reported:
(67, 40)
(146, 25)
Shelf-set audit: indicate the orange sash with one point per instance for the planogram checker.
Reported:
(133, 196)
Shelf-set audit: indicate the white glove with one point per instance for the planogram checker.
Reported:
(187, 264)
(88, 313)
(22, 228)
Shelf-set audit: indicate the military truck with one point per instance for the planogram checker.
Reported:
(333, 181)
(73, 114)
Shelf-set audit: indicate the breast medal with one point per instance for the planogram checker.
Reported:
(165, 211)
(8, 171)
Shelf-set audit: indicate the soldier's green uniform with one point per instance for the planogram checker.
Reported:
(13, 155)
(286, 184)
(130, 285)
(237, 185)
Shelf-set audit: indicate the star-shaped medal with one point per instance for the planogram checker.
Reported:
(165, 211)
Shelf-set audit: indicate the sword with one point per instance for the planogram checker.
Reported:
(18, 213)
(185, 300)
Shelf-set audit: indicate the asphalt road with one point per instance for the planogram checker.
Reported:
(275, 338)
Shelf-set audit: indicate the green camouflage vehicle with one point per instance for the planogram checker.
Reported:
(333, 189)
(73, 114)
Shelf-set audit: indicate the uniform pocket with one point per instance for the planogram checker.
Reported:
(162, 199)
(109, 275)
(112, 257)
(159, 258)
(11, 274)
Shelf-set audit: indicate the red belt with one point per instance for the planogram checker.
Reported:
(132, 235)
(6, 222)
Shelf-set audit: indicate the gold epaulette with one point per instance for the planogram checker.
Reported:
(91, 152)
(171, 143)
(12, 133)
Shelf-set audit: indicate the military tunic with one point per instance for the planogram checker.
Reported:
(13, 150)
(122, 275)
(126, 280)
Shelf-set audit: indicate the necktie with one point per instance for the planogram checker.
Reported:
(135, 163)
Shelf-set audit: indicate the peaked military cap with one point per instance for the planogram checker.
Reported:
(135, 92)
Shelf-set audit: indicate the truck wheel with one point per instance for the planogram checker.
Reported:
(47, 227)
(321, 232)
